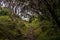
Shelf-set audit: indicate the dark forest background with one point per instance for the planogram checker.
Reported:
(40, 27)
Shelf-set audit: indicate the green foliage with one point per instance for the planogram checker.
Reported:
(8, 28)
(48, 31)
(3, 12)
(40, 29)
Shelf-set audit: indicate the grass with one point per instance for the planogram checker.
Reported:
(4, 18)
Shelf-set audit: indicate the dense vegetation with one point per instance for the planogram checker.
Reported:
(40, 27)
